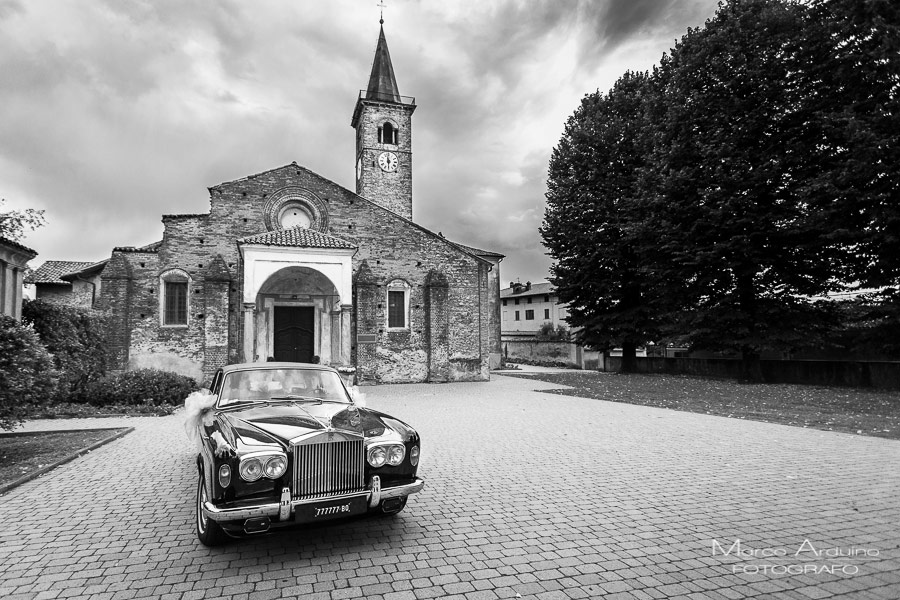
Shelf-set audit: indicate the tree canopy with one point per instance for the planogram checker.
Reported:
(15, 223)
(718, 199)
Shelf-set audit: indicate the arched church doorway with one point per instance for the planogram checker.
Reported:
(299, 314)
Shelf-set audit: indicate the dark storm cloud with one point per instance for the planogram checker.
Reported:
(118, 111)
(9, 8)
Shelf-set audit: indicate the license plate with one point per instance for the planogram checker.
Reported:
(335, 509)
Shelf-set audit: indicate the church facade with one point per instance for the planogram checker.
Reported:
(288, 265)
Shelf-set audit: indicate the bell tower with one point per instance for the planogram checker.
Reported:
(382, 119)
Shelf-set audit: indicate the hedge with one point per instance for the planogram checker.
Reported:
(76, 338)
(142, 386)
(27, 376)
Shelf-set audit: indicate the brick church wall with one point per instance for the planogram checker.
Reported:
(450, 334)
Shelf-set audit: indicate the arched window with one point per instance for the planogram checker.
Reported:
(398, 304)
(175, 298)
(388, 134)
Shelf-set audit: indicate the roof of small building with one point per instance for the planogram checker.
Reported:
(150, 248)
(16, 245)
(537, 289)
(296, 237)
(477, 251)
(52, 270)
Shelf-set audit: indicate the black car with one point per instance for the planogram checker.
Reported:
(286, 443)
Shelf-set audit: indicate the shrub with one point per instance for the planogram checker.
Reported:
(77, 340)
(140, 387)
(27, 377)
(548, 333)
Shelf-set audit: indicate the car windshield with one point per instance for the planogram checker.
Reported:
(265, 385)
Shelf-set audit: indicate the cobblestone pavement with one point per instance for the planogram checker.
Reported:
(528, 495)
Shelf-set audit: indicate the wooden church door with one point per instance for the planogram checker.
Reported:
(294, 334)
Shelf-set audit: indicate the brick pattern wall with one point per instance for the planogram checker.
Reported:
(393, 190)
(457, 326)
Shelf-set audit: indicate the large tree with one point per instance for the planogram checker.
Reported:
(848, 123)
(594, 218)
(752, 175)
(725, 184)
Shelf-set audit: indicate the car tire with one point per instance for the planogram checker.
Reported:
(208, 531)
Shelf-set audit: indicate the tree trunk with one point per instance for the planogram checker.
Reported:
(629, 357)
(751, 370)
(751, 367)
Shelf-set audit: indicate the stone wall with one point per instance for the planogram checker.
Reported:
(549, 353)
(875, 374)
(392, 190)
(451, 334)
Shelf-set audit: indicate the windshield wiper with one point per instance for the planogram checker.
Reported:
(236, 403)
(296, 397)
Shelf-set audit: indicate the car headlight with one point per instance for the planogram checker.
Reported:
(391, 454)
(377, 456)
(396, 454)
(275, 467)
(251, 469)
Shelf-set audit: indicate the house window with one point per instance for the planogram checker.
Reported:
(517, 301)
(529, 299)
(546, 313)
(529, 315)
(398, 305)
(517, 315)
(546, 297)
(504, 303)
(175, 298)
(387, 134)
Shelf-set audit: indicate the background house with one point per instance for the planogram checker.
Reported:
(525, 307)
(14, 259)
(66, 282)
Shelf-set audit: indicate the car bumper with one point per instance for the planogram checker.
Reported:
(287, 506)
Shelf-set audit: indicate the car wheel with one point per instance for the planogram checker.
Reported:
(392, 506)
(208, 531)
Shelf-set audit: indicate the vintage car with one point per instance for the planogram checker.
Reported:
(281, 444)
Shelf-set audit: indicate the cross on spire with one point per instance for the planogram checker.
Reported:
(382, 5)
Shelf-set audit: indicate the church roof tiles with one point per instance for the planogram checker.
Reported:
(52, 270)
(297, 237)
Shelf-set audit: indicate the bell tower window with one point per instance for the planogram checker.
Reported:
(387, 134)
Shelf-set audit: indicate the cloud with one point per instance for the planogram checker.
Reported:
(116, 112)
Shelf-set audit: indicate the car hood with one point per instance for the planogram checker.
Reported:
(270, 424)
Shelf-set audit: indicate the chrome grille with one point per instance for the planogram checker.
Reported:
(328, 468)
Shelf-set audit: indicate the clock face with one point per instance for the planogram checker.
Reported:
(387, 161)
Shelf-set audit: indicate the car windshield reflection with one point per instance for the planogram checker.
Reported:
(268, 385)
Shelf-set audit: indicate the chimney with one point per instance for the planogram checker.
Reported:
(527, 285)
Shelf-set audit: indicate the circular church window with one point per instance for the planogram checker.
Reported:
(294, 216)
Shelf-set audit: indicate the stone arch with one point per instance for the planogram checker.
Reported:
(299, 317)
(296, 196)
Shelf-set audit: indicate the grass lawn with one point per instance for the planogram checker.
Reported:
(863, 412)
(23, 454)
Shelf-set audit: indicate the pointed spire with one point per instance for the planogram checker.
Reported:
(382, 83)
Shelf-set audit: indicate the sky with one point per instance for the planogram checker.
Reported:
(115, 112)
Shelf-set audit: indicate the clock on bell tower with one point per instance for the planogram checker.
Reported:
(383, 122)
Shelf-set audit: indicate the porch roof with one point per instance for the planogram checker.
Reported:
(297, 237)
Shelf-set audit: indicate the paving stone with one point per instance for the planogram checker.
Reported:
(527, 493)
